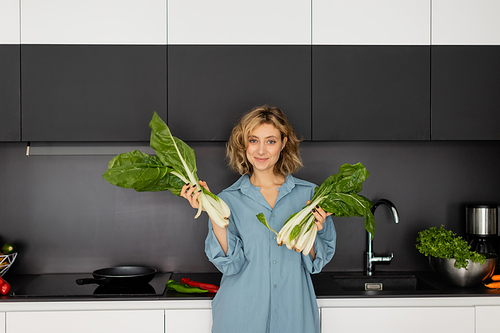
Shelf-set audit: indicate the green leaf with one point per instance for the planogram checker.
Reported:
(262, 219)
(168, 182)
(295, 232)
(172, 151)
(141, 172)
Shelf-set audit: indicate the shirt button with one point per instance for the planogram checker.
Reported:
(275, 286)
(275, 261)
(273, 215)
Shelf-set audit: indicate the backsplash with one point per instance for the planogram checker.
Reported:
(66, 218)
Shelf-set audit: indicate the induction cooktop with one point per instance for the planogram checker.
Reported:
(64, 285)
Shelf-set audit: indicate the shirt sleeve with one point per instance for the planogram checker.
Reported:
(324, 247)
(232, 262)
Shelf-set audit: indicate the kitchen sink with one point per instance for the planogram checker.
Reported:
(380, 283)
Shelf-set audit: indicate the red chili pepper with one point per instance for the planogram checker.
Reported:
(212, 288)
(4, 288)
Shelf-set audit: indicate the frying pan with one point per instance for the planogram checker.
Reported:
(120, 276)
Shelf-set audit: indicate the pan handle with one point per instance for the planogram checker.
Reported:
(89, 281)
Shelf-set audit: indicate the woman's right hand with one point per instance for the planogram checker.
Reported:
(191, 193)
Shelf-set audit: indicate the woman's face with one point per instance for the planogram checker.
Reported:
(264, 147)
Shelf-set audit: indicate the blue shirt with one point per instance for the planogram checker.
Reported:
(266, 287)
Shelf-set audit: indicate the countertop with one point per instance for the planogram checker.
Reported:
(428, 285)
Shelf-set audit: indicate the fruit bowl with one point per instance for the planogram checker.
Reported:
(6, 260)
(461, 277)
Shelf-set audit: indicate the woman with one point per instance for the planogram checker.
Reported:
(264, 287)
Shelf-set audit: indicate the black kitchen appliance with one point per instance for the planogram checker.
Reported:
(64, 285)
(481, 227)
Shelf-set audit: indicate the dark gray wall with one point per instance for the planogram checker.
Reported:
(66, 218)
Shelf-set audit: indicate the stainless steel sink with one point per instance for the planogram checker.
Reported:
(379, 283)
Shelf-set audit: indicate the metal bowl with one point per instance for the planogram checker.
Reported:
(461, 277)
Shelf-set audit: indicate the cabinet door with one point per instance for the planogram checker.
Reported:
(465, 22)
(239, 22)
(181, 321)
(382, 22)
(9, 22)
(92, 92)
(128, 321)
(465, 92)
(397, 320)
(10, 112)
(2, 322)
(371, 92)
(94, 22)
(487, 318)
(100, 77)
(210, 86)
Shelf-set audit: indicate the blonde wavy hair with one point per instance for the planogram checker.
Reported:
(289, 160)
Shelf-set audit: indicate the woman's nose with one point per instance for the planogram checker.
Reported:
(262, 148)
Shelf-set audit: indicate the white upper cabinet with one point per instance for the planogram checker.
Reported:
(466, 22)
(93, 22)
(9, 22)
(368, 22)
(239, 22)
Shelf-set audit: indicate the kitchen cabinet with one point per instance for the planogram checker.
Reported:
(398, 319)
(9, 22)
(98, 79)
(486, 318)
(2, 322)
(239, 22)
(122, 22)
(465, 22)
(371, 92)
(181, 321)
(91, 92)
(210, 86)
(123, 321)
(10, 111)
(464, 89)
(366, 22)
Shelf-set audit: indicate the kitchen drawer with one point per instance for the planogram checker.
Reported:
(110, 321)
(181, 321)
(398, 319)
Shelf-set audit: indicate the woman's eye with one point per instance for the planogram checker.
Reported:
(271, 142)
(253, 141)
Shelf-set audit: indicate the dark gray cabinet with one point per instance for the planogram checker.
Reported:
(465, 92)
(92, 92)
(10, 123)
(366, 92)
(210, 86)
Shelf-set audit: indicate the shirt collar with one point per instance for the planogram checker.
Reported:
(253, 192)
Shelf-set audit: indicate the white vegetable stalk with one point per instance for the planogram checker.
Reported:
(218, 210)
(304, 241)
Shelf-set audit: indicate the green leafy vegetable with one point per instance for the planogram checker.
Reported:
(442, 243)
(142, 172)
(337, 195)
(173, 166)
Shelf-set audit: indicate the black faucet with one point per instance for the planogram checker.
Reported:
(370, 256)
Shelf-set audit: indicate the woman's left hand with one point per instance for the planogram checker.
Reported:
(320, 215)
